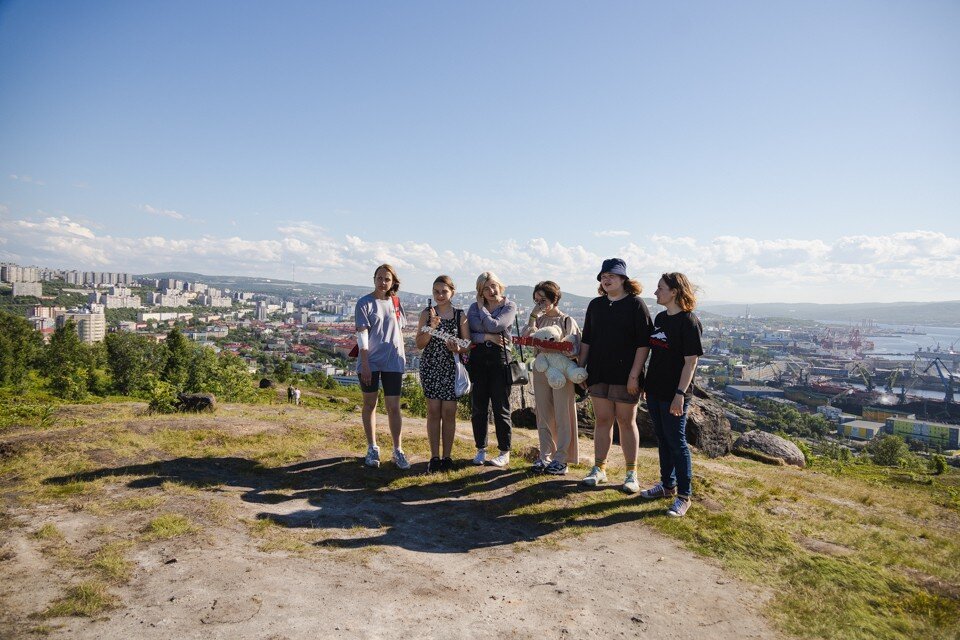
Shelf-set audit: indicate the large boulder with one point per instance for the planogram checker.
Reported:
(768, 448)
(708, 428)
(196, 402)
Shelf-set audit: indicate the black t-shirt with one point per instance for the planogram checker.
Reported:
(614, 331)
(673, 338)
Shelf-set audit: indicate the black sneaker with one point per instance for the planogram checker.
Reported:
(539, 466)
(434, 465)
(556, 468)
(446, 464)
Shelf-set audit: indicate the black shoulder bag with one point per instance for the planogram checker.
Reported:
(515, 371)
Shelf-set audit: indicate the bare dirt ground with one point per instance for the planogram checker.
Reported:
(326, 548)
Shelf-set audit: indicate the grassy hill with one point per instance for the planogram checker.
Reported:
(847, 550)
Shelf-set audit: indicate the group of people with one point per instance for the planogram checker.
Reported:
(628, 356)
(293, 395)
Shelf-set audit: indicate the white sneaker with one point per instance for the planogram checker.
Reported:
(400, 459)
(630, 484)
(481, 457)
(596, 476)
(373, 457)
(501, 460)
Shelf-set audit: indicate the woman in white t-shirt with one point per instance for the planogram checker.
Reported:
(381, 360)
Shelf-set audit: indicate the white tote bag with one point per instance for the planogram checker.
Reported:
(461, 385)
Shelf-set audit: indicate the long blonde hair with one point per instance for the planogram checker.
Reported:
(483, 280)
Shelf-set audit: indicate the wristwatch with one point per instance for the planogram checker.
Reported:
(681, 392)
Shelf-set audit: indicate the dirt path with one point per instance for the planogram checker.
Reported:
(336, 558)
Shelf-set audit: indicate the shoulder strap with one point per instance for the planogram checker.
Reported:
(396, 306)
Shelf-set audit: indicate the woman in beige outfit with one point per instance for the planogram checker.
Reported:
(556, 408)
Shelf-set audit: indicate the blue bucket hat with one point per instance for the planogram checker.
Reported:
(615, 266)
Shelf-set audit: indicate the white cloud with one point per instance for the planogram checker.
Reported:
(28, 179)
(166, 213)
(914, 265)
(612, 233)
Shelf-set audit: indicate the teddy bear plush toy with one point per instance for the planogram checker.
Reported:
(555, 364)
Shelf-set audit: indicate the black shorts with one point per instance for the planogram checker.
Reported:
(392, 381)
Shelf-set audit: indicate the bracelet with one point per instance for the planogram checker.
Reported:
(681, 392)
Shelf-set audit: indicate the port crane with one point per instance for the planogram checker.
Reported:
(864, 373)
(946, 378)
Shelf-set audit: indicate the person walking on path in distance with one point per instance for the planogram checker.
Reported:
(296, 396)
(490, 318)
(675, 347)
(438, 372)
(556, 409)
(379, 321)
(616, 337)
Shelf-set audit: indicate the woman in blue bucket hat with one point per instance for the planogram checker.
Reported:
(614, 348)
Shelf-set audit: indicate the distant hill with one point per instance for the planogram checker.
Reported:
(942, 314)
(269, 286)
(935, 314)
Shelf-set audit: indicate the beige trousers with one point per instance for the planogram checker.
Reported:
(556, 420)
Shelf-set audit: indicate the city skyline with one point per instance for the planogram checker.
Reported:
(774, 152)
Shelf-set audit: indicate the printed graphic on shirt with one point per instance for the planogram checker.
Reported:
(659, 339)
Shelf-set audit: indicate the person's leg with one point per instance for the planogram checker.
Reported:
(479, 404)
(543, 399)
(604, 411)
(675, 430)
(434, 412)
(392, 382)
(565, 413)
(629, 436)
(369, 413)
(449, 426)
(500, 400)
(659, 412)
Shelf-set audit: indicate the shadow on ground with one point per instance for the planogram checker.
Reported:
(453, 513)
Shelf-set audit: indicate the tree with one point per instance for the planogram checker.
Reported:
(282, 371)
(20, 348)
(888, 450)
(130, 357)
(67, 362)
(176, 368)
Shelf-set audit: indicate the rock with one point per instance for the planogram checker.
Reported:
(768, 448)
(266, 383)
(708, 428)
(525, 417)
(196, 402)
(530, 454)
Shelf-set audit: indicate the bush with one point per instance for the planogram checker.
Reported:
(888, 450)
(412, 394)
(938, 464)
(162, 396)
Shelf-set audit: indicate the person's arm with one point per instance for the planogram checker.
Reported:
(633, 380)
(477, 334)
(362, 323)
(464, 332)
(683, 387)
(503, 321)
(585, 337)
(423, 338)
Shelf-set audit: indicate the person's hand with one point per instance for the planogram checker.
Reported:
(676, 407)
(434, 318)
(633, 385)
(366, 376)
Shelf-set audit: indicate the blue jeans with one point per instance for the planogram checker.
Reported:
(676, 465)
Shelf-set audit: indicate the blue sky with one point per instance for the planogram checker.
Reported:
(774, 151)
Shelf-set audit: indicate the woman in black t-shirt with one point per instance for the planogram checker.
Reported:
(616, 334)
(674, 349)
